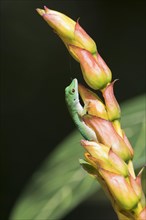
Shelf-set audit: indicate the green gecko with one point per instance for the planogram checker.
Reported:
(77, 111)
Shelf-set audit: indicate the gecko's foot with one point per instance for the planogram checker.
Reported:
(86, 108)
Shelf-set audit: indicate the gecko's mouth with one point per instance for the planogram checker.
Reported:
(74, 84)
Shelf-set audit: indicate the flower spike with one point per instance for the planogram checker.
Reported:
(108, 152)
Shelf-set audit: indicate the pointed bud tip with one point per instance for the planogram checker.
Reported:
(78, 20)
(41, 12)
(46, 9)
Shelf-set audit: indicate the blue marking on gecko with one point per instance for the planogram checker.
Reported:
(77, 111)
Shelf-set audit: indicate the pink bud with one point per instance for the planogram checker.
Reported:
(112, 105)
(93, 104)
(105, 158)
(84, 39)
(68, 30)
(107, 135)
(96, 150)
(120, 189)
(93, 73)
(62, 24)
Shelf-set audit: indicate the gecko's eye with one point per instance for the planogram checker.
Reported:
(72, 91)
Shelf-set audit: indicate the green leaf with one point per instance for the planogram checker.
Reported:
(133, 122)
(61, 184)
(58, 186)
(88, 167)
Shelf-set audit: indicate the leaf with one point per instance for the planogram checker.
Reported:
(133, 122)
(140, 157)
(61, 184)
(87, 166)
(58, 186)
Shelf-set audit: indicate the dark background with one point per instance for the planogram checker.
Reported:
(35, 69)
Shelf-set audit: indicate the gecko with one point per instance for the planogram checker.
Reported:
(77, 111)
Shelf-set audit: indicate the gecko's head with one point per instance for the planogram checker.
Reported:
(71, 92)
